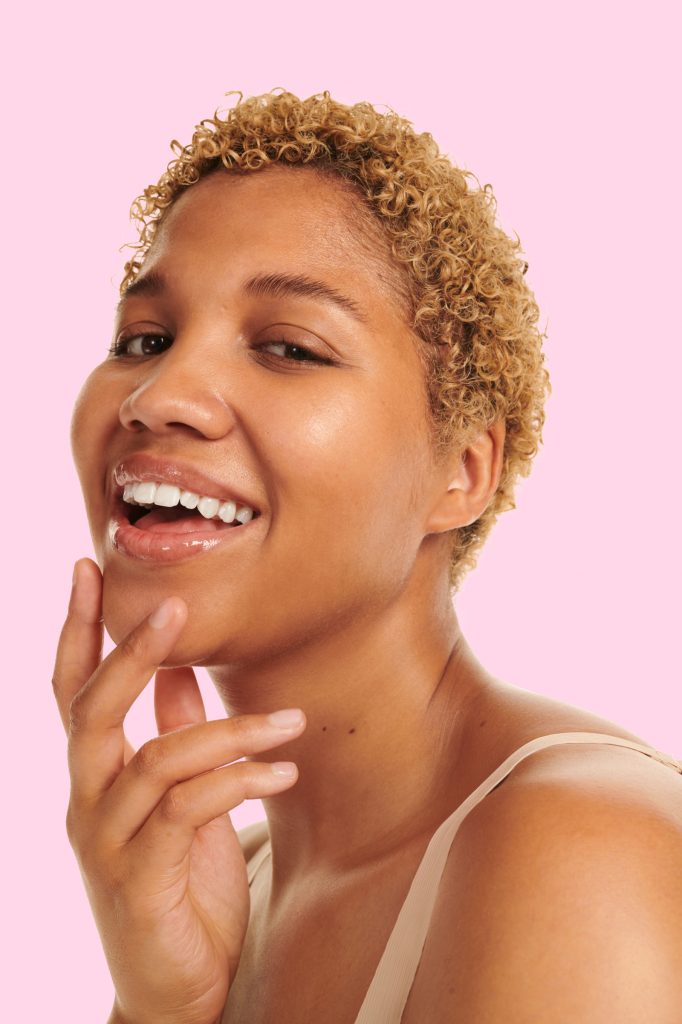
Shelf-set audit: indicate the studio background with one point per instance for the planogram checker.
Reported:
(570, 114)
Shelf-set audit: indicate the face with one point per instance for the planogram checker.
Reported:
(307, 407)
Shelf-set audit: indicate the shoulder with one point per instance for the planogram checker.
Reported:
(252, 837)
(562, 896)
(578, 806)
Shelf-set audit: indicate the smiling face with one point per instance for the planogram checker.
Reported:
(306, 404)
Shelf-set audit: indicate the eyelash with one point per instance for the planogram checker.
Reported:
(118, 349)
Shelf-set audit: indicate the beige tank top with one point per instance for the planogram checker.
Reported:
(392, 981)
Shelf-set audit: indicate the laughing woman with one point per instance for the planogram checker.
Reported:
(326, 379)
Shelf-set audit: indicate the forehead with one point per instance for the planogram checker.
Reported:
(286, 219)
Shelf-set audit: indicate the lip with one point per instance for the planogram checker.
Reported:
(127, 540)
(157, 548)
(143, 466)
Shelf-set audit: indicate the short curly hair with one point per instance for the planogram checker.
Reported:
(461, 278)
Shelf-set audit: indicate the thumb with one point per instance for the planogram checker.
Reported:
(177, 699)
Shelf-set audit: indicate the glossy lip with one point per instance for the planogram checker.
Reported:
(157, 548)
(140, 545)
(143, 466)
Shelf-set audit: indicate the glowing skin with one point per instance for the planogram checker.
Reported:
(335, 597)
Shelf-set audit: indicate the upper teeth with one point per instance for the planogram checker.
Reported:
(168, 495)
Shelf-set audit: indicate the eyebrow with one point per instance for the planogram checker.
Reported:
(273, 285)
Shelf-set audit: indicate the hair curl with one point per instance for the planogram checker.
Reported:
(468, 299)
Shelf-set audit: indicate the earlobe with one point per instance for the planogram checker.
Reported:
(471, 482)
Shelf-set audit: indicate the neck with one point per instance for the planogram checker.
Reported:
(387, 702)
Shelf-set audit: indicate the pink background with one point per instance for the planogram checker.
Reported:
(570, 114)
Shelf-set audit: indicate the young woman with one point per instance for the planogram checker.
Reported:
(325, 380)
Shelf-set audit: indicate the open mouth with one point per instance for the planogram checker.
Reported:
(165, 508)
(160, 521)
(174, 520)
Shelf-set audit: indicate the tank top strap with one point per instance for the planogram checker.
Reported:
(387, 994)
(257, 859)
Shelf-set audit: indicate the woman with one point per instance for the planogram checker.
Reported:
(325, 380)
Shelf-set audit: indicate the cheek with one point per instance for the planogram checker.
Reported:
(88, 412)
(326, 427)
(347, 474)
(94, 419)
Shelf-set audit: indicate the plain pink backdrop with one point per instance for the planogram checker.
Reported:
(570, 114)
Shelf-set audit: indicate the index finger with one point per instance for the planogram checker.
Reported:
(80, 642)
(97, 712)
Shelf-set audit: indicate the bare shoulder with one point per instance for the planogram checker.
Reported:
(252, 837)
(562, 897)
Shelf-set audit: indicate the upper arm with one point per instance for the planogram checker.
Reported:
(560, 904)
(252, 837)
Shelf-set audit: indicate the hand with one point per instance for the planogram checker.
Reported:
(161, 861)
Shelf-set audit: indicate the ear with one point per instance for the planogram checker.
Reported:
(470, 481)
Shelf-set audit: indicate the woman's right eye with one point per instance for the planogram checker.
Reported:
(143, 344)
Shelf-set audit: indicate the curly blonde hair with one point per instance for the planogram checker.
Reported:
(457, 274)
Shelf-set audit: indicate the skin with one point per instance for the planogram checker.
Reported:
(340, 461)
(337, 603)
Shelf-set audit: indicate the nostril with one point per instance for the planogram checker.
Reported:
(161, 406)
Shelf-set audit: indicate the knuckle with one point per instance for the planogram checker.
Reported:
(132, 647)
(247, 729)
(250, 778)
(150, 759)
(84, 841)
(243, 771)
(237, 730)
(174, 805)
(79, 711)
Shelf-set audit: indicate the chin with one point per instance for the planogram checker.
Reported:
(124, 608)
(190, 649)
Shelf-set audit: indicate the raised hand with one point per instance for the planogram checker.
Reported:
(161, 861)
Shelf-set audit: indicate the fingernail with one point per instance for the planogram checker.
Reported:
(74, 582)
(162, 615)
(290, 718)
(287, 769)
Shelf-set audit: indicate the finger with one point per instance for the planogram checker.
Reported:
(171, 829)
(164, 762)
(80, 642)
(96, 742)
(177, 699)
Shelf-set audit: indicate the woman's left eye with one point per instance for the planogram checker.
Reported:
(291, 353)
(149, 343)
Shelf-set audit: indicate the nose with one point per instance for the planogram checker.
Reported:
(178, 391)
